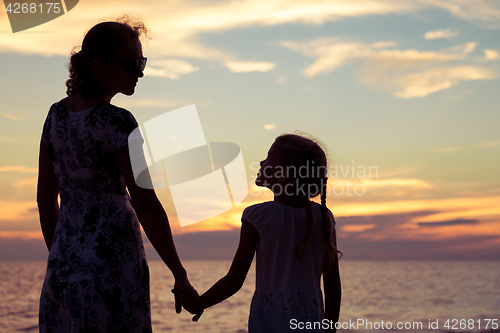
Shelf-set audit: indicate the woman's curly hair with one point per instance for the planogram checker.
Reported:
(101, 41)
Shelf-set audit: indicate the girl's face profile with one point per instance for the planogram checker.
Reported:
(271, 170)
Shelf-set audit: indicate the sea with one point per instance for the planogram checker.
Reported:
(395, 296)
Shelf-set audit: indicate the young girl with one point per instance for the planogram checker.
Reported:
(295, 243)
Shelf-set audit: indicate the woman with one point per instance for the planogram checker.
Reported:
(97, 276)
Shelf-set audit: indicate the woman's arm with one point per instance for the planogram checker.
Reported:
(46, 195)
(155, 223)
(153, 218)
(333, 290)
(233, 281)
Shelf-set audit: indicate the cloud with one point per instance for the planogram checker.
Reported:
(28, 182)
(23, 235)
(446, 223)
(433, 80)
(446, 33)
(281, 80)
(491, 54)
(461, 227)
(333, 52)
(355, 244)
(445, 208)
(420, 201)
(484, 13)
(11, 211)
(397, 182)
(249, 66)
(461, 248)
(343, 188)
(401, 226)
(18, 168)
(269, 127)
(396, 236)
(406, 73)
(357, 227)
(177, 25)
(475, 146)
(169, 68)
(9, 116)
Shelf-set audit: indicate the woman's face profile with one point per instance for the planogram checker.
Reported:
(117, 78)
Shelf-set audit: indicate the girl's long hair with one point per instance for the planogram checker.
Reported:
(299, 153)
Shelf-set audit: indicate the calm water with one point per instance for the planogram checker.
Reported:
(392, 291)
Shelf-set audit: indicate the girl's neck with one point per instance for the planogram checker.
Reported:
(292, 201)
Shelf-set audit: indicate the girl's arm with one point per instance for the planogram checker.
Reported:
(46, 196)
(155, 223)
(233, 281)
(333, 290)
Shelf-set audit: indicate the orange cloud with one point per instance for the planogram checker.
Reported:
(357, 227)
(28, 182)
(448, 208)
(21, 235)
(15, 211)
(18, 168)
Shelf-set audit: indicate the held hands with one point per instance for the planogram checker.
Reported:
(184, 294)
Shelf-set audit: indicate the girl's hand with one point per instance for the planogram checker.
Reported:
(187, 302)
(183, 285)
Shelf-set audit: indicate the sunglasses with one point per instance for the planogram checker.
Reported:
(133, 65)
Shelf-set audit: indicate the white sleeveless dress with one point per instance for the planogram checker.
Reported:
(286, 288)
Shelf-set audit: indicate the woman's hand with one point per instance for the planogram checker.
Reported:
(184, 293)
(187, 302)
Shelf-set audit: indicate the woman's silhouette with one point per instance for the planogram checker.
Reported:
(97, 276)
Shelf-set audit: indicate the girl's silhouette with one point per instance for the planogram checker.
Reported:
(295, 243)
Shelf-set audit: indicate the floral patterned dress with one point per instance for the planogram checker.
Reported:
(97, 276)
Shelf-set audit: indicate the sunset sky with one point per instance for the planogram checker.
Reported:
(408, 88)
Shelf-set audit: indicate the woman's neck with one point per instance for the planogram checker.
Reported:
(78, 103)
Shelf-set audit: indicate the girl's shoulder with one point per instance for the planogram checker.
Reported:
(261, 212)
(259, 215)
(268, 207)
(273, 206)
(258, 208)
